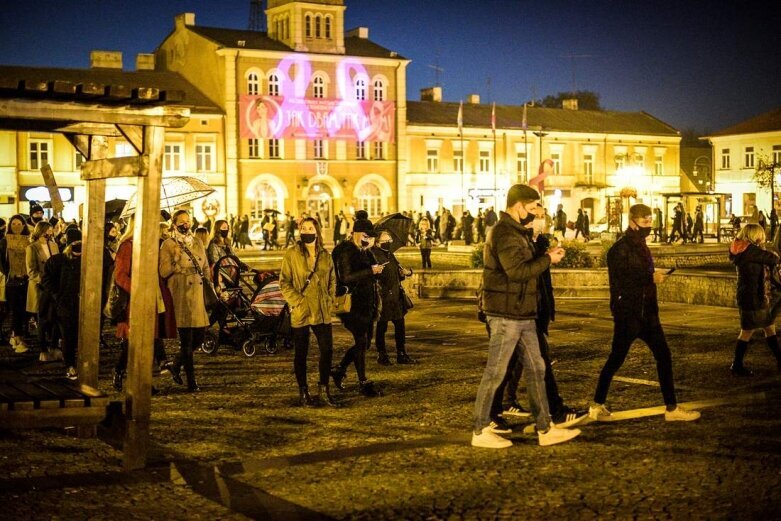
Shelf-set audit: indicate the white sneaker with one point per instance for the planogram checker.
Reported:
(598, 412)
(500, 429)
(556, 435)
(71, 374)
(681, 414)
(488, 440)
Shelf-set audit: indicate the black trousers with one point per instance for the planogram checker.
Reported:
(16, 297)
(425, 256)
(69, 329)
(190, 339)
(399, 331)
(625, 331)
(360, 328)
(324, 335)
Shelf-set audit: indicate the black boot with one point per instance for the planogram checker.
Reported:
(382, 358)
(304, 399)
(117, 381)
(737, 367)
(338, 374)
(403, 358)
(325, 395)
(192, 384)
(368, 389)
(175, 370)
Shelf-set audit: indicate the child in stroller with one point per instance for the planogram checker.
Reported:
(251, 312)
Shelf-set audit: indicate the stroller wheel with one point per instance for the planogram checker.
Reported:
(270, 345)
(248, 348)
(210, 343)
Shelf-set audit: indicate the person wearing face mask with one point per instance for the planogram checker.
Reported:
(635, 309)
(182, 260)
(357, 271)
(62, 280)
(308, 283)
(13, 265)
(42, 246)
(36, 215)
(393, 309)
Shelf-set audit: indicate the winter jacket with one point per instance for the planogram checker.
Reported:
(36, 256)
(560, 222)
(546, 304)
(314, 305)
(353, 267)
(510, 272)
(390, 285)
(62, 281)
(630, 270)
(185, 283)
(754, 266)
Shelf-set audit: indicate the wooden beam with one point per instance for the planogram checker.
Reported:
(134, 135)
(143, 304)
(51, 186)
(81, 143)
(119, 92)
(136, 166)
(35, 86)
(68, 111)
(93, 129)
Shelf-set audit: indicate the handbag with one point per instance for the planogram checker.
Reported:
(117, 302)
(210, 297)
(406, 302)
(343, 303)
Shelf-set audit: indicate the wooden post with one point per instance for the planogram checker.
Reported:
(143, 304)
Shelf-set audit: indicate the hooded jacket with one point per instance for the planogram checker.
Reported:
(630, 269)
(754, 266)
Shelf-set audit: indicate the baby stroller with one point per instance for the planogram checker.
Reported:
(251, 313)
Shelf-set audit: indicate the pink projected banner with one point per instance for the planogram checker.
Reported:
(280, 117)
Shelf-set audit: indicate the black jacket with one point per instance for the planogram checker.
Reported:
(62, 280)
(354, 270)
(630, 269)
(754, 280)
(546, 304)
(510, 272)
(390, 285)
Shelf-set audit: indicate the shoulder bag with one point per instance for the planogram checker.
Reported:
(117, 302)
(210, 297)
(344, 300)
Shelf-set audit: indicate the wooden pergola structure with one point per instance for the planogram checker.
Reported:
(86, 113)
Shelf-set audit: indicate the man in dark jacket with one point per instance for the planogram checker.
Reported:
(560, 221)
(635, 310)
(509, 300)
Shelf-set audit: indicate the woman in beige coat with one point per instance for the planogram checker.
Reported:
(308, 283)
(42, 246)
(186, 286)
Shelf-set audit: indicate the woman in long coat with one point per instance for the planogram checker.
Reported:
(41, 248)
(308, 283)
(12, 264)
(181, 259)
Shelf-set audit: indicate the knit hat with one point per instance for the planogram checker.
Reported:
(364, 226)
(35, 208)
(521, 192)
(72, 235)
(361, 214)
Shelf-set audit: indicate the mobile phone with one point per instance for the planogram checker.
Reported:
(669, 272)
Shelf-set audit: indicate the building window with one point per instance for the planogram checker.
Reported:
(264, 197)
(78, 160)
(640, 161)
(485, 162)
(725, 158)
(521, 165)
(370, 199)
(124, 150)
(379, 90)
(360, 89)
(379, 150)
(556, 158)
(620, 161)
(749, 158)
(253, 84)
(308, 25)
(273, 85)
(273, 149)
(287, 28)
(254, 148)
(432, 160)
(588, 168)
(458, 160)
(328, 27)
(360, 149)
(777, 154)
(204, 157)
(39, 154)
(319, 146)
(173, 157)
(659, 165)
(318, 89)
(318, 24)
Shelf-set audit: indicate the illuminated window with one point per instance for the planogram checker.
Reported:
(370, 199)
(360, 150)
(273, 85)
(620, 161)
(360, 89)
(253, 84)
(458, 160)
(318, 26)
(263, 197)
(318, 89)
(379, 150)
(173, 157)
(308, 25)
(319, 147)
(254, 148)
(556, 158)
(379, 90)
(749, 158)
(432, 160)
(39, 153)
(725, 158)
(588, 168)
(485, 161)
(273, 149)
(640, 161)
(777, 154)
(521, 165)
(204, 157)
(658, 165)
(328, 27)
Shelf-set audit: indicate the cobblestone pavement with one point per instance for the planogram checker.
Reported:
(406, 455)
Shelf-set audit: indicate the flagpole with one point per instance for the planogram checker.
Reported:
(463, 152)
(493, 127)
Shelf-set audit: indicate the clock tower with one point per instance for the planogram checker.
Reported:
(315, 26)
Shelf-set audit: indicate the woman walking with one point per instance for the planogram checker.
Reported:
(426, 242)
(758, 293)
(13, 265)
(308, 283)
(182, 261)
(41, 248)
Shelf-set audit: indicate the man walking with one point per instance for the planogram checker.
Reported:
(635, 310)
(560, 221)
(509, 300)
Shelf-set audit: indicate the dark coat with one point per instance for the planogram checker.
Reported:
(630, 269)
(751, 262)
(62, 281)
(546, 304)
(354, 271)
(390, 286)
(510, 272)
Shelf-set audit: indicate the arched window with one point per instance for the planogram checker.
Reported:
(318, 89)
(379, 90)
(370, 199)
(318, 26)
(253, 84)
(273, 85)
(308, 25)
(264, 197)
(328, 27)
(360, 89)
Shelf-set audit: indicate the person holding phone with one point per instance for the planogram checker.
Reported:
(635, 309)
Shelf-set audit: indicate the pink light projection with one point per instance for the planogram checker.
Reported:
(293, 115)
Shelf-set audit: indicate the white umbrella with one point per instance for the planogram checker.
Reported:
(174, 191)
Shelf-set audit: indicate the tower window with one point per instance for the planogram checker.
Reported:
(318, 26)
(328, 27)
(308, 25)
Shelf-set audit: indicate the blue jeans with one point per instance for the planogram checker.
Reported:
(507, 335)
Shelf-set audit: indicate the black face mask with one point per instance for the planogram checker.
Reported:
(224, 233)
(308, 238)
(183, 228)
(526, 220)
(364, 243)
(643, 231)
(385, 246)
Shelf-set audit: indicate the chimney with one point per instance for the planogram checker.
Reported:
(431, 94)
(473, 99)
(360, 32)
(105, 60)
(570, 104)
(145, 62)
(183, 19)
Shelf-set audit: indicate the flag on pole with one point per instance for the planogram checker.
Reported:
(460, 116)
(523, 122)
(493, 117)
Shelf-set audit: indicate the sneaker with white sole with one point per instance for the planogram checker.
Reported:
(499, 426)
(556, 435)
(598, 412)
(679, 414)
(515, 409)
(569, 417)
(71, 374)
(530, 429)
(488, 440)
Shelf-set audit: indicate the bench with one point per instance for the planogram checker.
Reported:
(55, 402)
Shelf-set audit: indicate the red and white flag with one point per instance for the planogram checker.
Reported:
(460, 116)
